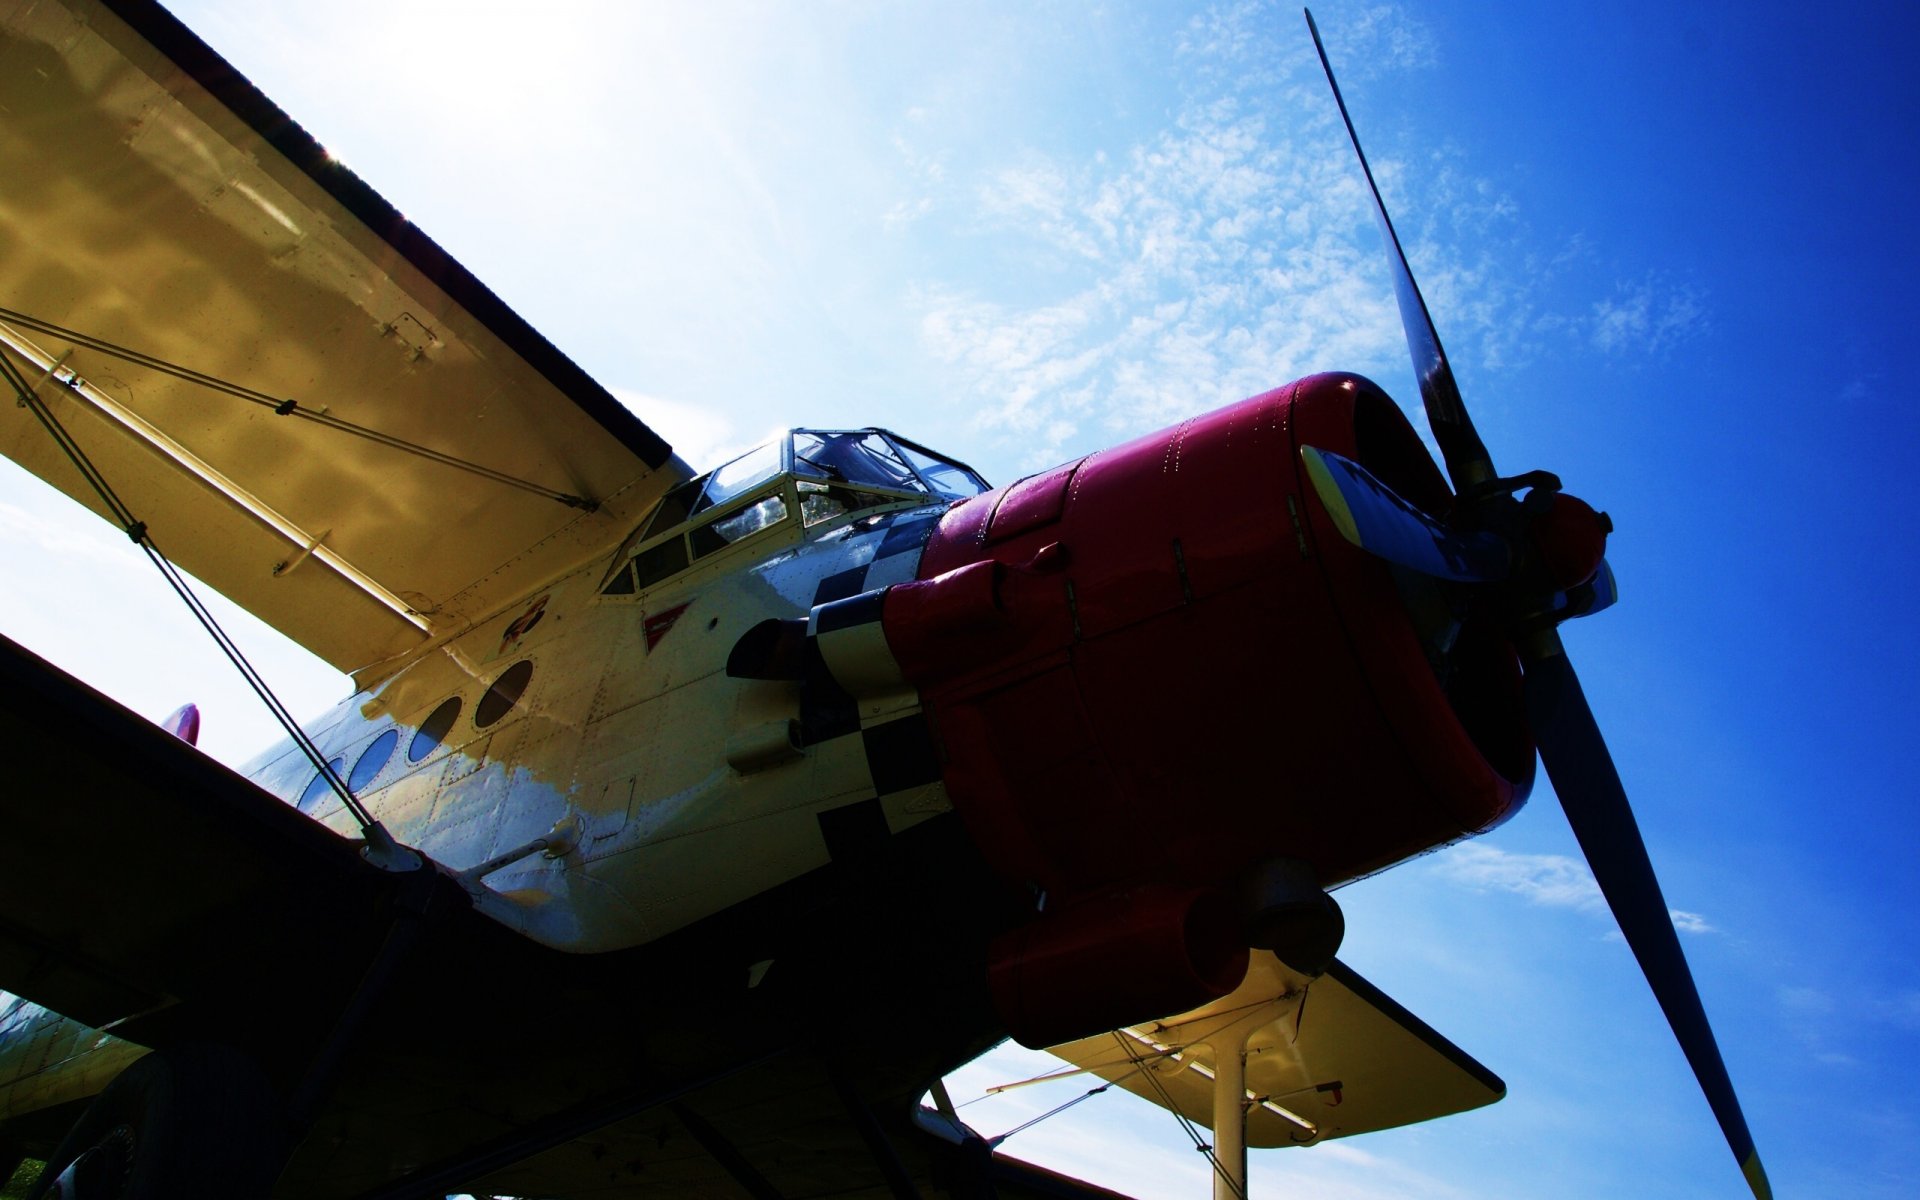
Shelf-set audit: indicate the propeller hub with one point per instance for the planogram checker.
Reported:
(1569, 539)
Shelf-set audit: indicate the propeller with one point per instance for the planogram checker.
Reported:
(1377, 519)
(1536, 562)
(1468, 464)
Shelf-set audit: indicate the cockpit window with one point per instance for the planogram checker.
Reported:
(764, 514)
(674, 508)
(711, 490)
(828, 473)
(861, 456)
(653, 565)
(740, 476)
(949, 480)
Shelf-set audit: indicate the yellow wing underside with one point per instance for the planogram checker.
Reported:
(156, 203)
(1326, 1058)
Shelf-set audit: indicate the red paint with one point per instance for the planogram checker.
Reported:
(1097, 964)
(660, 624)
(184, 723)
(1030, 503)
(947, 613)
(521, 626)
(1179, 694)
(1570, 539)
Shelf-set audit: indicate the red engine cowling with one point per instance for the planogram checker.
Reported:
(1156, 668)
(1113, 958)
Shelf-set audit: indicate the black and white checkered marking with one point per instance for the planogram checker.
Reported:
(854, 686)
(886, 552)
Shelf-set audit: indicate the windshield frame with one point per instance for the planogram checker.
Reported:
(781, 478)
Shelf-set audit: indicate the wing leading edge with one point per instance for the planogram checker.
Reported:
(438, 456)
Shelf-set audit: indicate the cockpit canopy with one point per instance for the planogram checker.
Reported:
(822, 474)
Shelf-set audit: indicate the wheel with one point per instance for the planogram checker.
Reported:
(194, 1121)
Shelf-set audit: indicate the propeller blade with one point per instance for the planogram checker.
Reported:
(1375, 518)
(1466, 455)
(1589, 787)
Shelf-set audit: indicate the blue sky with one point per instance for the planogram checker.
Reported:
(1667, 250)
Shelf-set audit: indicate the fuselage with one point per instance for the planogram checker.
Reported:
(596, 712)
(1151, 694)
(680, 790)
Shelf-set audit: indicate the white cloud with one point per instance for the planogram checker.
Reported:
(1386, 38)
(1690, 922)
(923, 173)
(1552, 879)
(1648, 317)
(1188, 285)
(1229, 252)
(1555, 880)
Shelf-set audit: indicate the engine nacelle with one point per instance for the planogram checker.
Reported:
(1158, 667)
(1103, 961)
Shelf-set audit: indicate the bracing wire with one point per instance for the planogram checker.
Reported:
(285, 407)
(1192, 1130)
(136, 530)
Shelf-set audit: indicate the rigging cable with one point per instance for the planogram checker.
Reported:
(1166, 1101)
(382, 849)
(285, 407)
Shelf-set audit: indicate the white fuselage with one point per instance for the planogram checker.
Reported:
(668, 790)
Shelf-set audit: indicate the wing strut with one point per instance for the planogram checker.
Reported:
(381, 848)
(1229, 1179)
(59, 371)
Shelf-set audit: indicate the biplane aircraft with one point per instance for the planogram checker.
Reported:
(685, 827)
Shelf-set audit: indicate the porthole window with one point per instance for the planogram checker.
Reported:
(320, 787)
(372, 759)
(434, 729)
(503, 695)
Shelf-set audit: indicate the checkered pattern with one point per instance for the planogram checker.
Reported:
(887, 551)
(899, 748)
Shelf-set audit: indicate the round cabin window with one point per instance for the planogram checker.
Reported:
(434, 729)
(503, 695)
(319, 787)
(372, 759)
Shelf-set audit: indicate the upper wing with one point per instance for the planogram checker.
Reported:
(440, 456)
(1326, 1058)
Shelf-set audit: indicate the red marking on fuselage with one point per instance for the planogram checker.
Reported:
(521, 626)
(658, 625)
